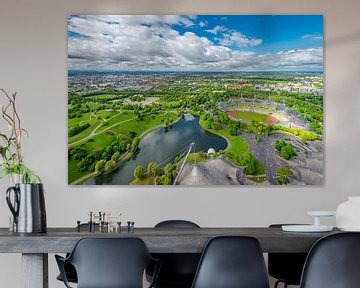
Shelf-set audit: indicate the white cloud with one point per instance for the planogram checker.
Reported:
(314, 36)
(151, 43)
(239, 39)
(216, 30)
(203, 23)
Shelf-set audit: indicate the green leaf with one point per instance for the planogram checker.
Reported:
(3, 151)
(4, 173)
(4, 137)
(27, 133)
(28, 176)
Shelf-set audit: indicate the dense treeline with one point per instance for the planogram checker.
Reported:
(103, 160)
(78, 128)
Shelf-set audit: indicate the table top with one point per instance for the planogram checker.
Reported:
(158, 240)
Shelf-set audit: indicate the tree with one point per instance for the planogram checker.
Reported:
(166, 180)
(132, 134)
(139, 172)
(153, 169)
(82, 165)
(250, 164)
(208, 124)
(115, 157)
(135, 143)
(283, 179)
(279, 144)
(169, 168)
(97, 153)
(215, 126)
(78, 128)
(283, 175)
(109, 166)
(233, 129)
(77, 153)
(100, 165)
(287, 151)
(158, 180)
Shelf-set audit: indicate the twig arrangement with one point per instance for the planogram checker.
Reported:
(11, 157)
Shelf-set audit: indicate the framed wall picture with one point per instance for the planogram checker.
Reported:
(195, 100)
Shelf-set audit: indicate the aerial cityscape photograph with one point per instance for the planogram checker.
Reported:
(195, 100)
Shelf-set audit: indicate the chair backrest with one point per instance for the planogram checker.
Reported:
(232, 262)
(333, 262)
(176, 224)
(178, 267)
(286, 266)
(110, 262)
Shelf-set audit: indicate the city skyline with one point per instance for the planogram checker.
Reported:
(195, 43)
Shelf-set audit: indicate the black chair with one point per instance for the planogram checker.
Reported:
(69, 269)
(286, 267)
(333, 262)
(232, 262)
(108, 263)
(178, 269)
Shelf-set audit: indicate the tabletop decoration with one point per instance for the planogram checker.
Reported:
(25, 197)
(348, 214)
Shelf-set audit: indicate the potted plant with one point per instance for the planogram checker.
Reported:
(27, 204)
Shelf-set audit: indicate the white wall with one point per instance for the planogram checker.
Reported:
(33, 62)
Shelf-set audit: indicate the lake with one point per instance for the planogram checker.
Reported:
(161, 146)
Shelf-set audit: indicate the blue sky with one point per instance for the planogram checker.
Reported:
(209, 42)
(277, 32)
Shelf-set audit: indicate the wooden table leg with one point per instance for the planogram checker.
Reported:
(35, 270)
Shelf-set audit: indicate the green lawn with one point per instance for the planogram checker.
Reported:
(250, 116)
(115, 119)
(143, 181)
(95, 119)
(140, 126)
(104, 96)
(252, 106)
(116, 127)
(107, 113)
(73, 171)
(238, 147)
(198, 157)
(78, 121)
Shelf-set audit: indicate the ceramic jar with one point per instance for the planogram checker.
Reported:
(348, 215)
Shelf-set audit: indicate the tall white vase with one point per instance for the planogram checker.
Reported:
(348, 215)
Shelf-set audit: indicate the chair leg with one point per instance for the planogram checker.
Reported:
(278, 282)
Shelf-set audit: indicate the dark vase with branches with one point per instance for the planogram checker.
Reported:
(26, 197)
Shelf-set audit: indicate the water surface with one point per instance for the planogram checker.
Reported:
(161, 146)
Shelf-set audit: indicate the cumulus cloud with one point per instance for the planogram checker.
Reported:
(216, 30)
(237, 38)
(153, 43)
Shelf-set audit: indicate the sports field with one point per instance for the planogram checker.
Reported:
(249, 116)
